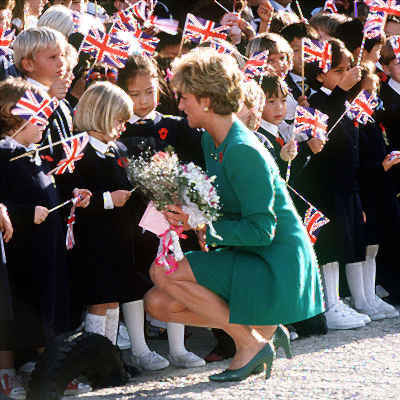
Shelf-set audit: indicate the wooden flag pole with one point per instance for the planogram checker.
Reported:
(47, 146)
(3, 250)
(300, 11)
(60, 205)
(303, 91)
(183, 37)
(224, 8)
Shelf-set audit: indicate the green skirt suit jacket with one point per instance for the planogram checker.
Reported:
(265, 266)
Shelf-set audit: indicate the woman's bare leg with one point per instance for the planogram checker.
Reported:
(212, 310)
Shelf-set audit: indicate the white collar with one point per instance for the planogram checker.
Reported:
(394, 85)
(280, 7)
(271, 128)
(135, 118)
(100, 146)
(15, 143)
(38, 84)
(326, 90)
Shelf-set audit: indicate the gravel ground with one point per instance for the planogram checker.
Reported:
(354, 364)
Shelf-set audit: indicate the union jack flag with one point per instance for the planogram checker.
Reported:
(256, 64)
(76, 20)
(220, 47)
(330, 6)
(200, 30)
(395, 43)
(311, 122)
(35, 108)
(125, 20)
(147, 43)
(314, 220)
(374, 25)
(142, 10)
(106, 48)
(362, 107)
(166, 25)
(6, 38)
(317, 51)
(73, 153)
(391, 7)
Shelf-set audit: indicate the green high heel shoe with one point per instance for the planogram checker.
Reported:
(265, 356)
(281, 338)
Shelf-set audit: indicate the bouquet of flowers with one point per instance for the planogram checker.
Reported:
(164, 180)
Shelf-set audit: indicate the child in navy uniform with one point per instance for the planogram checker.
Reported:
(148, 129)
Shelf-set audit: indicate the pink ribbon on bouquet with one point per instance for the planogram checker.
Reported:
(70, 239)
(164, 257)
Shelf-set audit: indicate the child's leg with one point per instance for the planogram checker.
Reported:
(95, 320)
(10, 385)
(142, 356)
(369, 284)
(178, 355)
(112, 319)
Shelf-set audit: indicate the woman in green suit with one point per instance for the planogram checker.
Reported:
(264, 272)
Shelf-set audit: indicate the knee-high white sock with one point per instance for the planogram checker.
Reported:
(354, 275)
(176, 338)
(330, 282)
(95, 323)
(134, 321)
(369, 275)
(112, 319)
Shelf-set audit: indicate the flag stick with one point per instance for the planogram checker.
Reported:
(219, 4)
(300, 196)
(336, 123)
(60, 205)
(360, 54)
(270, 21)
(3, 251)
(355, 9)
(289, 166)
(47, 146)
(300, 11)
(131, 191)
(183, 38)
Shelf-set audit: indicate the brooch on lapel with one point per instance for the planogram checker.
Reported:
(163, 132)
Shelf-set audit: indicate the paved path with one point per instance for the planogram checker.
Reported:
(355, 364)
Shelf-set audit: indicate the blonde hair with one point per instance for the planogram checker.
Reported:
(59, 18)
(11, 90)
(206, 73)
(71, 56)
(254, 96)
(100, 106)
(272, 42)
(32, 40)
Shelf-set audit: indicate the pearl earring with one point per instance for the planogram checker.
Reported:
(205, 109)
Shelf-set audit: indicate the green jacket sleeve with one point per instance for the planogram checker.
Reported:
(252, 182)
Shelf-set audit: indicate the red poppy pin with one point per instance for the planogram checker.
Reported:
(163, 132)
(123, 162)
(221, 156)
(47, 158)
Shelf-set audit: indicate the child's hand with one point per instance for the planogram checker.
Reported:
(230, 19)
(60, 88)
(289, 150)
(84, 197)
(388, 163)
(246, 28)
(265, 10)
(350, 78)
(315, 145)
(41, 214)
(5, 224)
(303, 101)
(120, 197)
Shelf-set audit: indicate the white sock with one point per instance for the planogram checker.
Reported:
(354, 275)
(330, 282)
(176, 338)
(134, 321)
(112, 320)
(156, 322)
(95, 323)
(369, 275)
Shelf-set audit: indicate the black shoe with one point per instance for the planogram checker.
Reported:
(312, 326)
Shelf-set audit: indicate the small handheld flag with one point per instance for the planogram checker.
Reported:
(319, 52)
(199, 30)
(73, 153)
(314, 220)
(395, 43)
(6, 38)
(256, 65)
(362, 107)
(330, 6)
(311, 122)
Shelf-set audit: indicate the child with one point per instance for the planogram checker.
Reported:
(380, 205)
(329, 182)
(150, 129)
(274, 112)
(390, 94)
(36, 256)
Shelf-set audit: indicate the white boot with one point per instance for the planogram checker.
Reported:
(369, 284)
(355, 280)
(338, 315)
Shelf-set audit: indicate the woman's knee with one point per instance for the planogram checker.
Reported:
(154, 302)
